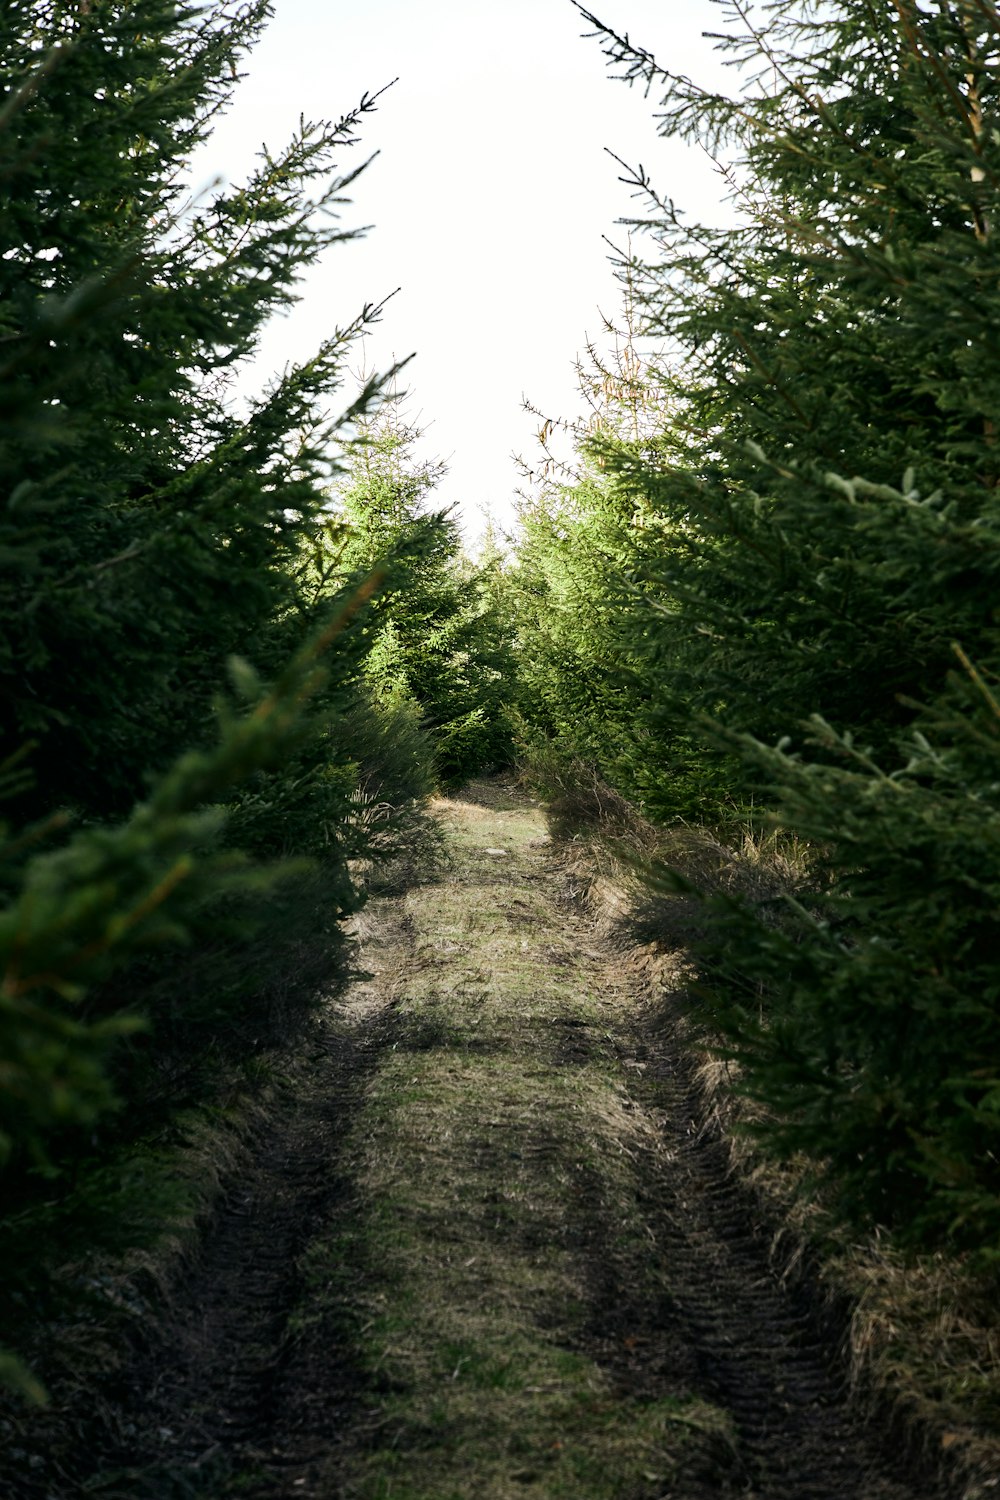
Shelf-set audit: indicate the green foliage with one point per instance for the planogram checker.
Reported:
(841, 329)
(159, 533)
(441, 641)
(581, 683)
(594, 684)
(113, 891)
(797, 542)
(152, 531)
(152, 524)
(391, 748)
(876, 1047)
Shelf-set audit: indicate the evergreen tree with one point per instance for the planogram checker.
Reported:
(440, 642)
(158, 537)
(826, 569)
(588, 552)
(840, 330)
(152, 524)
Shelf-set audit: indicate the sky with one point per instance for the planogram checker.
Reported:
(489, 199)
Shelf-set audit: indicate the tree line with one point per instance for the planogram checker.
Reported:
(241, 646)
(770, 586)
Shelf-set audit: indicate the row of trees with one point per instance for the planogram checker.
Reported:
(443, 638)
(235, 637)
(773, 579)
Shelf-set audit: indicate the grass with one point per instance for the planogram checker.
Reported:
(491, 1181)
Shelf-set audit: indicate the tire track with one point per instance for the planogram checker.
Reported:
(761, 1348)
(207, 1407)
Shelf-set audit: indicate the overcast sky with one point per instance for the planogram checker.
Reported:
(489, 199)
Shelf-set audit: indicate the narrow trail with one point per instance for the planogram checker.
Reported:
(486, 1250)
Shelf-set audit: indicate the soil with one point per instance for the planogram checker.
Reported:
(487, 1246)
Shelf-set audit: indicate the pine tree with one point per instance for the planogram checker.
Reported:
(152, 523)
(589, 548)
(828, 569)
(840, 330)
(156, 542)
(440, 642)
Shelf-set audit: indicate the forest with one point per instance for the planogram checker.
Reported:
(747, 634)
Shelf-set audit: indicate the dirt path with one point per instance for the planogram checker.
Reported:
(485, 1252)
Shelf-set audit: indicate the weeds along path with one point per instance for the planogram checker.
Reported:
(489, 1255)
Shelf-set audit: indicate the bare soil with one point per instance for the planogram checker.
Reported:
(487, 1247)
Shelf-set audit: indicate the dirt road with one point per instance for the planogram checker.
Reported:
(484, 1251)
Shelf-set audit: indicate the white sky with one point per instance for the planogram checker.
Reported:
(489, 198)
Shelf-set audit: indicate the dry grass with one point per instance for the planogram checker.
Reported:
(639, 879)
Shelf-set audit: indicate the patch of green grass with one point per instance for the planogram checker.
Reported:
(575, 1443)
